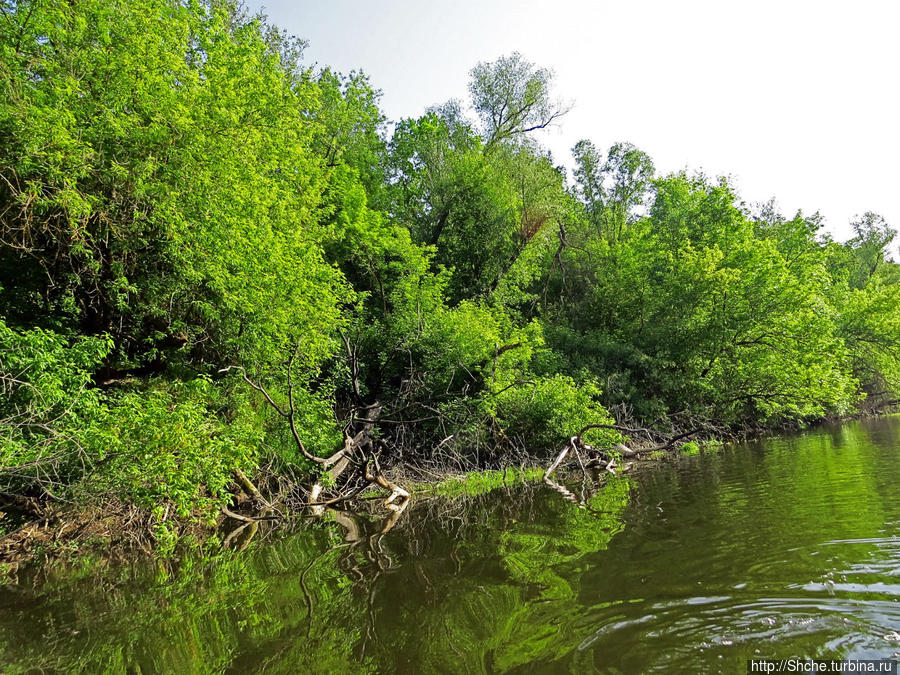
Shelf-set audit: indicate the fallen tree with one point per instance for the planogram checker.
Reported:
(347, 472)
(604, 458)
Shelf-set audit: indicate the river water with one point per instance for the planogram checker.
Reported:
(779, 548)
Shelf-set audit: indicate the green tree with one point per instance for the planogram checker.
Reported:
(512, 97)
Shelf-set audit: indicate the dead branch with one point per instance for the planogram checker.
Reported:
(397, 492)
(288, 414)
(561, 456)
(631, 431)
(668, 444)
(237, 516)
(250, 488)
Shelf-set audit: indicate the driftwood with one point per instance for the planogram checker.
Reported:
(250, 488)
(357, 451)
(576, 446)
(602, 459)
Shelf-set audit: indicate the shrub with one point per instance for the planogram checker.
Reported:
(162, 447)
(543, 414)
(45, 404)
(62, 438)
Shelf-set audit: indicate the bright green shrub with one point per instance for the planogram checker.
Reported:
(690, 448)
(63, 438)
(545, 413)
(45, 403)
(162, 447)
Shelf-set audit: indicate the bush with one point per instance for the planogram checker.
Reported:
(690, 448)
(542, 415)
(156, 447)
(163, 447)
(45, 405)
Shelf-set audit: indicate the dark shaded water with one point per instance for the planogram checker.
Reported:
(779, 548)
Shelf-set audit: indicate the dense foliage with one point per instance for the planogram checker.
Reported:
(184, 203)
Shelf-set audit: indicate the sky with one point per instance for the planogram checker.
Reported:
(791, 99)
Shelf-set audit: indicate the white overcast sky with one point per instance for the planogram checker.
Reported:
(793, 99)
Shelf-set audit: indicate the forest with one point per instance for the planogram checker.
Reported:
(223, 270)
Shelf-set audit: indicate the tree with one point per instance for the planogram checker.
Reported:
(612, 190)
(691, 310)
(478, 206)
(512, 97)
(869, 247)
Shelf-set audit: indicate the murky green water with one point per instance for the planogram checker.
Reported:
(781, 548)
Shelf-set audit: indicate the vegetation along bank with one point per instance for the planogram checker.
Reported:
(224, 278)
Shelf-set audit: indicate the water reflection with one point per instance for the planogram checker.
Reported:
(781, 548)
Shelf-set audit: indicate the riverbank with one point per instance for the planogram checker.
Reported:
(34, 532)
(775, 547)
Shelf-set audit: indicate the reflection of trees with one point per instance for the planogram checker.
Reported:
(501, 593)
(487, 581)
(533, 615)
(201, 614)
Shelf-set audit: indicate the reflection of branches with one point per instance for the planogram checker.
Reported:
(249, 529)
(567, 494)
(590, 485)
(363, 557)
